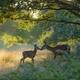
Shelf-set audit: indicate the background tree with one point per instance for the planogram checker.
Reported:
(54, 20)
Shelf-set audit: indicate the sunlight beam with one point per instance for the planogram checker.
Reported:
(35, 14)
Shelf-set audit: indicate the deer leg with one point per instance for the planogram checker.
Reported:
(54, 56)
(22, 60)
(32, 60)
(68, 49)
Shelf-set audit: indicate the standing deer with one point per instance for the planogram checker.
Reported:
(58, 49)
(29, 54)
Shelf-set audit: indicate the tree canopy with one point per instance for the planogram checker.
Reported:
(8, 8)
(36, 20)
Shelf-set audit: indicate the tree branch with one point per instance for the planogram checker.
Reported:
(47, 19)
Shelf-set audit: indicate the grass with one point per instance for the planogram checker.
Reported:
(44, 68)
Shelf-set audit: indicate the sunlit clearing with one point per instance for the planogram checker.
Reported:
(10, 60)
(35, 14)
(69, 0)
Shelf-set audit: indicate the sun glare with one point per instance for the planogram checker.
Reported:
(35, 14)
(69, 0)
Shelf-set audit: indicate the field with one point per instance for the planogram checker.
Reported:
(45, 66)
(10, 60)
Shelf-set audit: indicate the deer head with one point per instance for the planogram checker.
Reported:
(35, 46)
(44, 46)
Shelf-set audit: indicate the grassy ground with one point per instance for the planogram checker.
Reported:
(44, 68)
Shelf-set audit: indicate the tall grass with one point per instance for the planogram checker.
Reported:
(45, 67)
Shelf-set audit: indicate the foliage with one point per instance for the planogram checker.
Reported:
(34, 21)
(19, 23)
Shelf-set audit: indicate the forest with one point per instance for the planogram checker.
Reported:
(49, 29)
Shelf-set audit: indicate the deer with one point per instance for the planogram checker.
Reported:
(57, 50)
(29, 54)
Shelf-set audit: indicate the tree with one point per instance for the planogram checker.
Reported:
(16, 6)
(42, 17)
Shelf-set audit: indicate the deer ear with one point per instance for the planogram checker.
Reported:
(34, 44)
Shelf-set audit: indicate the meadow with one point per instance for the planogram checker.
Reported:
(45, 66)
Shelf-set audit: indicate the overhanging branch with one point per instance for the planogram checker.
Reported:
(56, 21)
(71, 8)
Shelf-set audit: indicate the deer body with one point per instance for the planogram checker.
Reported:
(58, 49)
(29, 54)
(64, 47)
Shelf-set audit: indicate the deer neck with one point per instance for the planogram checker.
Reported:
(50, 48)
(35, 50)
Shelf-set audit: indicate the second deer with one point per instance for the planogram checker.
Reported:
(58, 49)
